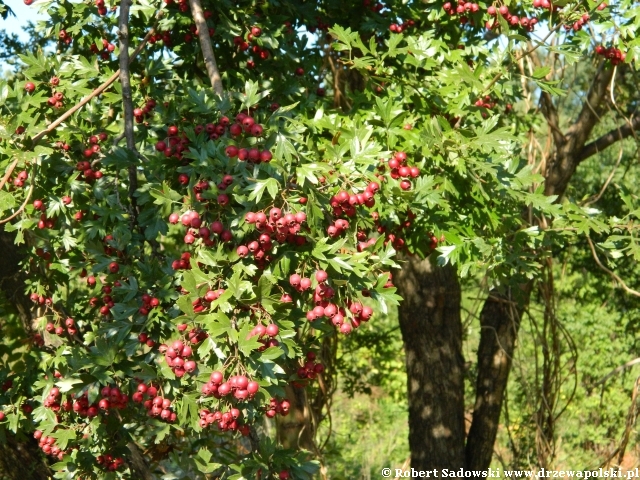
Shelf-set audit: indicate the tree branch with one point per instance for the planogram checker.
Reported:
(205, 45)
(547, 107)
(565, 161)
(125, 81)
(588, 115)
(610, 138)
(138, 462)
(127, 102)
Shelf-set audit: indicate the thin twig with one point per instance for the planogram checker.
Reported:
(205, 45)
(612, 274)
(608, 181)
(617, 370)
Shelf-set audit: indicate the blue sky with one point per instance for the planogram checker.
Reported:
(23, 15)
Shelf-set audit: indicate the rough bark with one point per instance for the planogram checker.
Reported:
(432, 333)
(21, 459)
(500, 322)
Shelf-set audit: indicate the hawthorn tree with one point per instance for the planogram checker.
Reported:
(200, 199)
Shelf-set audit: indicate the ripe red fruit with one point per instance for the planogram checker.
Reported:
(272, 330)
(224, 389)
(321, 276)
(216, 378)
(29, 87)
(231, 151)
(256, 31)
(265, 156)
(161, 146)
(299, 71)
(114, 267)
(172, 131)
(242, 251)
(295, 280)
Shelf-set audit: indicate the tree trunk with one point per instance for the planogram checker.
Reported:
(22, 459)
(432, 333)
(296, 429)
(500, 322)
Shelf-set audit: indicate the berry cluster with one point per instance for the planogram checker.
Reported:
(183, 263)
(59, 330)
(613, 54)
(56, 100)
(63, 36)
(102, 9)
(344, 203)
(176, 357)
(197, 229)
(227, 421)
(578, 24)
(21, 178)
(401, 27)
(311, 367)
(513, 20)
(196, 335)
(240, 386)
(284, 227)
(400, 170)
(112, 398)
(48, 445)
(156, 406)
(107, 49)
(148, 303)
(143, 338)
(324, 308)
(277, 406)
(145, 112)
(336, 229)
(110, 462)
(266, 335)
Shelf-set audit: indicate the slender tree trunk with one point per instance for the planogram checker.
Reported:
(500, 323)
(432, 333)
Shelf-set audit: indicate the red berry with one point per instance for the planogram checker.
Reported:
(272, 330)
(321, 276)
